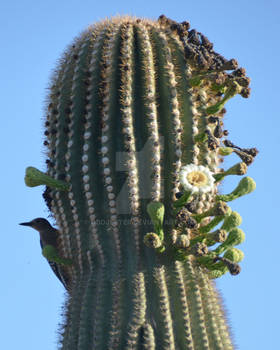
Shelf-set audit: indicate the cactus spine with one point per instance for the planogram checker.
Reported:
(129, 105)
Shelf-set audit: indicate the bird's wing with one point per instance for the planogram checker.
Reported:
(58, 271)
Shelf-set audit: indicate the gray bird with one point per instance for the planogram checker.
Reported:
(49, 236)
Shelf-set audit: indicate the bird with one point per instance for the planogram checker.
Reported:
(49, 237)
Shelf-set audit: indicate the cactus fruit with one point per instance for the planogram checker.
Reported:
(134, 137)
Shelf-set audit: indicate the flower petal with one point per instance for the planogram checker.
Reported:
(202, 173)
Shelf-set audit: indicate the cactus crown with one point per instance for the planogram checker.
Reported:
(134, 130)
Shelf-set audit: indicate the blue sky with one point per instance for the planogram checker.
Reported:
(33, 35)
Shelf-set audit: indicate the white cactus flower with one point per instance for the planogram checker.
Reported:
(196, 178)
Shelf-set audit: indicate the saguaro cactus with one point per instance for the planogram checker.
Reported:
(134, 137)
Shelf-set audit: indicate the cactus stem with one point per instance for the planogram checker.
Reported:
(231, 221)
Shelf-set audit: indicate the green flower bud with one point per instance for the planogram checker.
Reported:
(34, 177)
(156, 212)
(245, 186)
(231, 221)
(234, 254)
(237, 169)
(152, 240)
(225, 151)
(235, 237)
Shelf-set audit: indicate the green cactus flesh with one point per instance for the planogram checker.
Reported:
(122, 119)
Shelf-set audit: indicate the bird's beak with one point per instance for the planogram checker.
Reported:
(26, 223)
